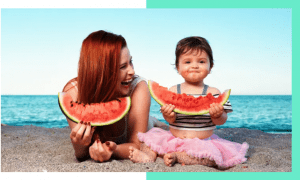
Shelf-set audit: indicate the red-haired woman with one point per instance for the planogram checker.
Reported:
(105, 72)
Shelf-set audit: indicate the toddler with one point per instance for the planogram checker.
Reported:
(191, 139)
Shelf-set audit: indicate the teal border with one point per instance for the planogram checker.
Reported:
(295, 5)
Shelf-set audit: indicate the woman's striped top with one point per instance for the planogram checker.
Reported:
(197, 122)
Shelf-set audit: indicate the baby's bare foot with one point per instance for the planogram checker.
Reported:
(169, 159)
(138, 156)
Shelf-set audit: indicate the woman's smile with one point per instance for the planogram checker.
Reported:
(126, 83)
(126, 72)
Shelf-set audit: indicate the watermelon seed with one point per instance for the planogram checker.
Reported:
(71, 105)
(71, 102)
(76, 102)
(118, 100)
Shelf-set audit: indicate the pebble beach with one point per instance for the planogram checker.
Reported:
(39, 149)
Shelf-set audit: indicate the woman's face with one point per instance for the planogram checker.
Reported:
(126, 72)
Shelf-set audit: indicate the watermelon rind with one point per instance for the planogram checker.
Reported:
(205, 111)
(68, 115)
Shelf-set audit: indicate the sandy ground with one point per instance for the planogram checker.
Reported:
(38, 149)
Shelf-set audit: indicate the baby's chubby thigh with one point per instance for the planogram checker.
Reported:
(190, 134)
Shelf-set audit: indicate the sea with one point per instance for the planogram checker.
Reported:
(268, 113)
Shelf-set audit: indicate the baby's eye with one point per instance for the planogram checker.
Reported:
(187, 62)
(201, 61)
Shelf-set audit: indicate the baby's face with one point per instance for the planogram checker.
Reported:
(194, 66)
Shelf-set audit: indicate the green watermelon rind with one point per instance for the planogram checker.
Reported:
(226, 97)
(65, 112)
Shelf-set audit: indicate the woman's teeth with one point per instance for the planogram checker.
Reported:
(126, 82)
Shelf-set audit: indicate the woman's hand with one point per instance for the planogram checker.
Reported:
(81, 134)
(168, 113)
(102, 152)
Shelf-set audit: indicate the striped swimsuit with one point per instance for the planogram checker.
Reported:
(197, 122)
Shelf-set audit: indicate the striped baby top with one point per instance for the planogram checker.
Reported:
(197, 122)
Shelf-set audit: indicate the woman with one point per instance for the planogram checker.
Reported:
(105, 72)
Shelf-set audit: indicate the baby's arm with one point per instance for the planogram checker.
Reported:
(168, 113)
(217, 114)
(167, 110)
(216, 111)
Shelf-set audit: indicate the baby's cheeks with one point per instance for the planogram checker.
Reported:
(216, 110)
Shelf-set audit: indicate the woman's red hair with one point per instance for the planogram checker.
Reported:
(98, 67)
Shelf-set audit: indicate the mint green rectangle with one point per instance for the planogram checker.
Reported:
(294, 4)
(221, 4)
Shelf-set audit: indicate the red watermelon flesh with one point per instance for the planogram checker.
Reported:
(185, 104)
(99, 114)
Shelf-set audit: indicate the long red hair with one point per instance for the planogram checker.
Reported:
(98, 67)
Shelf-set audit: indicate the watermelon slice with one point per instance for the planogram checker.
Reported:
(185, 104)
(99, 114)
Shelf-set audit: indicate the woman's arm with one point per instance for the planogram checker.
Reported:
(137, 119)
(81, 134)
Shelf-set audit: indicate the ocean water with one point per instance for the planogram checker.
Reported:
(268, 113)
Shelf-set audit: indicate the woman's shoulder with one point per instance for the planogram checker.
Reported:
(137, 79)
(139, 87)
(71, 88)
(135, 83)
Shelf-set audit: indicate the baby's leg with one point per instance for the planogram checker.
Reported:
(183, 158)
(144, 155)
(170, 159)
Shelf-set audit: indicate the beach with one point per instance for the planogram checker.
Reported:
(39, 149)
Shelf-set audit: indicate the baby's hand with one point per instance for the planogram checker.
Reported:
(168, 113)
(216, 110)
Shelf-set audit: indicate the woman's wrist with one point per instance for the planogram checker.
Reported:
(81, 152)
(114, 154)
(122, 150)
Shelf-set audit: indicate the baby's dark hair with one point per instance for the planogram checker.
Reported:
(193, 43)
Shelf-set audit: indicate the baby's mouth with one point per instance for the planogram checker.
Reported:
(194, 72)
(126, 83)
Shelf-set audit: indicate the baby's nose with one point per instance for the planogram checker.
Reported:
(195, 65)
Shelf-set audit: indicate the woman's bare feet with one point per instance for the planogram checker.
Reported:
(169, 159)
(138, 156)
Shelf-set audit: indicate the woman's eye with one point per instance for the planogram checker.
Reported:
(122, 67)
(130, 62)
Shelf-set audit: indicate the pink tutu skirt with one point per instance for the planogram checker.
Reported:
(225, 153)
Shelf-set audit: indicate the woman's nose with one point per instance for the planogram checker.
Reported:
(131, 70)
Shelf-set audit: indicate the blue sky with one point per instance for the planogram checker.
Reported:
(251, 47)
